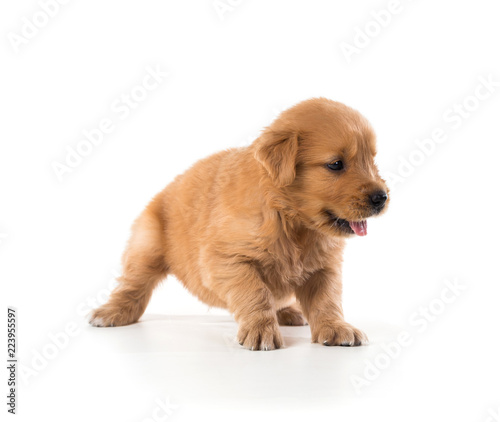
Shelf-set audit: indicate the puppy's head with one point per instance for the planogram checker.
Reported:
(320, 154)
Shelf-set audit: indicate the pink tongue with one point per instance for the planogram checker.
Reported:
(359, 227)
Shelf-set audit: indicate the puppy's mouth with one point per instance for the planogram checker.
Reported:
(359, 228)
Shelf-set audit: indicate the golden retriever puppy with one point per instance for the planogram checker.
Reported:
(260, 230)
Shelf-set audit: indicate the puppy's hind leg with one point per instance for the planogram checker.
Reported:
(144, 267)
(291, 315)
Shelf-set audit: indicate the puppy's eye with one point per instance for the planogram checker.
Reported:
(336, 165)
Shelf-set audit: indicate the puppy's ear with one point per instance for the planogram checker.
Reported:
(277, 150)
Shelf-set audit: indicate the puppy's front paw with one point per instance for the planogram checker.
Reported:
(260, 335)
(338, 333)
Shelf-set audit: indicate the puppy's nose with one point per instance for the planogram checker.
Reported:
(378, 199)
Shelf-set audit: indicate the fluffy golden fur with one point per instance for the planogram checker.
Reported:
(260, 230)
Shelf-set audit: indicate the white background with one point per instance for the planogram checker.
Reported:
(229, 74)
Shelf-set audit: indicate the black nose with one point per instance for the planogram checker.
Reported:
(378, 199)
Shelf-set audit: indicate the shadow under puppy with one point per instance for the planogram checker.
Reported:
(260, 230)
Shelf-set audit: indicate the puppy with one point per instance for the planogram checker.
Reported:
(260, 230)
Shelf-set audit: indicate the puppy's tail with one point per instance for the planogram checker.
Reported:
(144, 266)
